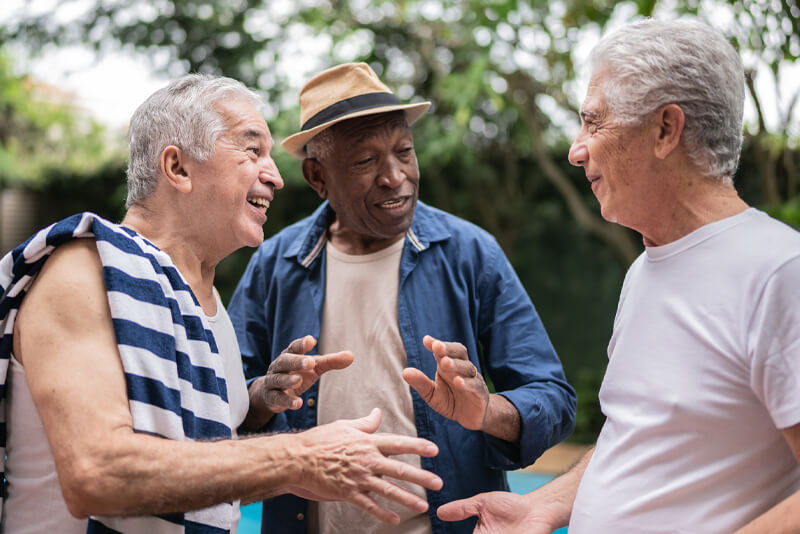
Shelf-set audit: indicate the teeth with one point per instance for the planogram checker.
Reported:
(259, 202)
(392, 203)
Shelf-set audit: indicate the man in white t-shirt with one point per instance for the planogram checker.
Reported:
(702, 390)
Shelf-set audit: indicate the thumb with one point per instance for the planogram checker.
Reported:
(458, 510)
(417, 380)
(368, 424)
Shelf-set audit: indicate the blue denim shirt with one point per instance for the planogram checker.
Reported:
(456, 285)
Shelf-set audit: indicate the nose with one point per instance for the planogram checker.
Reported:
(578, 153)
(391, 174)
(269, 173)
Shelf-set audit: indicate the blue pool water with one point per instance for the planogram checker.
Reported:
(519, 481)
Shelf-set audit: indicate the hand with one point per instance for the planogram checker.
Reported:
(293, 372)
(346, 460)
(458, 391)
(500, 512)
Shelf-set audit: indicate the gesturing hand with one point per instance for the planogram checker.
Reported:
(346, 462)
(288, 376)
(500, 512)
(458, 391)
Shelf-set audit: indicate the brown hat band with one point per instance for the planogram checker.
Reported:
(351, 105)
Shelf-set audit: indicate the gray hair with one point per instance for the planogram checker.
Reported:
(181, 114)
(649, 64)
(321, 145)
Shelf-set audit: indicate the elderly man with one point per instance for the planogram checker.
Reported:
(702, 390)
(420, 296)
(124, 386)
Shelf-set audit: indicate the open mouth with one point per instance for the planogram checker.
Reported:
(391, 204)
(259, 202)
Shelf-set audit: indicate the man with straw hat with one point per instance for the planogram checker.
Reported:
(420, 297)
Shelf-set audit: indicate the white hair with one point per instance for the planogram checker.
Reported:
(650, 63)
(181, 114)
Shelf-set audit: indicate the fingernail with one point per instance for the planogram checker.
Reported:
(432, 449)
(422, 506)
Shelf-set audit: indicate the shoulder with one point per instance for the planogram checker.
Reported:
(437, 224)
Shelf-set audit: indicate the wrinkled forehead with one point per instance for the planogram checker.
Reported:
(360, 129)
(595, 99)
(242, 119)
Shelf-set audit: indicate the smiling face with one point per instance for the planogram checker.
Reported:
(371, 179)
(235, 186)
(617, 158)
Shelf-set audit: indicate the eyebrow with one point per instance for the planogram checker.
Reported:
(252, 134)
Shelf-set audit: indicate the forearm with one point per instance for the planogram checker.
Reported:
(782, 518)
(258, 414)
(135, 474)
(561, 491)
(501, 419)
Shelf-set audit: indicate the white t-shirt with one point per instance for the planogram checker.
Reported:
(704, 368)
(360, 314)
(35, 502)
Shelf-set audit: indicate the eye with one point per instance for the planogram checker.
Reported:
(254, 150)
(364, 161)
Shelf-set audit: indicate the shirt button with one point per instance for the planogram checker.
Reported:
(311, 402)
(300, 516)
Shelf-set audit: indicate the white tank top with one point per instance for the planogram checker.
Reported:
(35, 503)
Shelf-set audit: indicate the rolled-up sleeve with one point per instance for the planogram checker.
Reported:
(523, 366)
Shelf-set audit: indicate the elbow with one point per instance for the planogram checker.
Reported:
(84, 490)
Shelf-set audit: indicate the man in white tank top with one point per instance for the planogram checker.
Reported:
(87, 437)
(702, 390)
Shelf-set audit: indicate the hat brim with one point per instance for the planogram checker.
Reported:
(296, 144)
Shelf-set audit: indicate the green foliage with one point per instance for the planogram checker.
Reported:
(40, 136)
(502, 80)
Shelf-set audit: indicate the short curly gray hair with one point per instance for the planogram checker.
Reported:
(651, 63)
(181, 114)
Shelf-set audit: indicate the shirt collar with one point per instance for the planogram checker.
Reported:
(426, 228)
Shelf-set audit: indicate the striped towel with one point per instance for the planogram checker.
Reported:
(174, 374)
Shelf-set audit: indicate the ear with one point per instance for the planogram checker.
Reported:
(669, 121)
(173, 167)
(314, 174)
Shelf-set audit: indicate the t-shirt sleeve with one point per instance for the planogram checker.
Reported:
(774, 345)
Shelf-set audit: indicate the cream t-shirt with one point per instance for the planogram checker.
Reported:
(360, 315)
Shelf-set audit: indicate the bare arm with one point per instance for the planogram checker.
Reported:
(459, 392)
(539, 512)
(784, 517)
(64, 338)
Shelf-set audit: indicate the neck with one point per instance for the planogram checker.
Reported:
(169, 231)
(695, 201)
(350, 242)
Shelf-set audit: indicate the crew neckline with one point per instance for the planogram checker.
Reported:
(698, 236)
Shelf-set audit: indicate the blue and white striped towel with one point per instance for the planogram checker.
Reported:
(174, 373)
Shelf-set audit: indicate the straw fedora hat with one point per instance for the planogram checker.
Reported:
(340, 93)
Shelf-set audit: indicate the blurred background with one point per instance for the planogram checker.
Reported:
(505, 80)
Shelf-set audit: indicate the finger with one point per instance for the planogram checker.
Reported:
(368, 424)
(327, 362)
(393, 444)
(278, 401)
(458, 510)
(395, 493)
(289, 363)
(451, 349)
(452, 368)
(281, 381)
(421, 383)
(403, 471)
(365, 502)
(301, 345)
